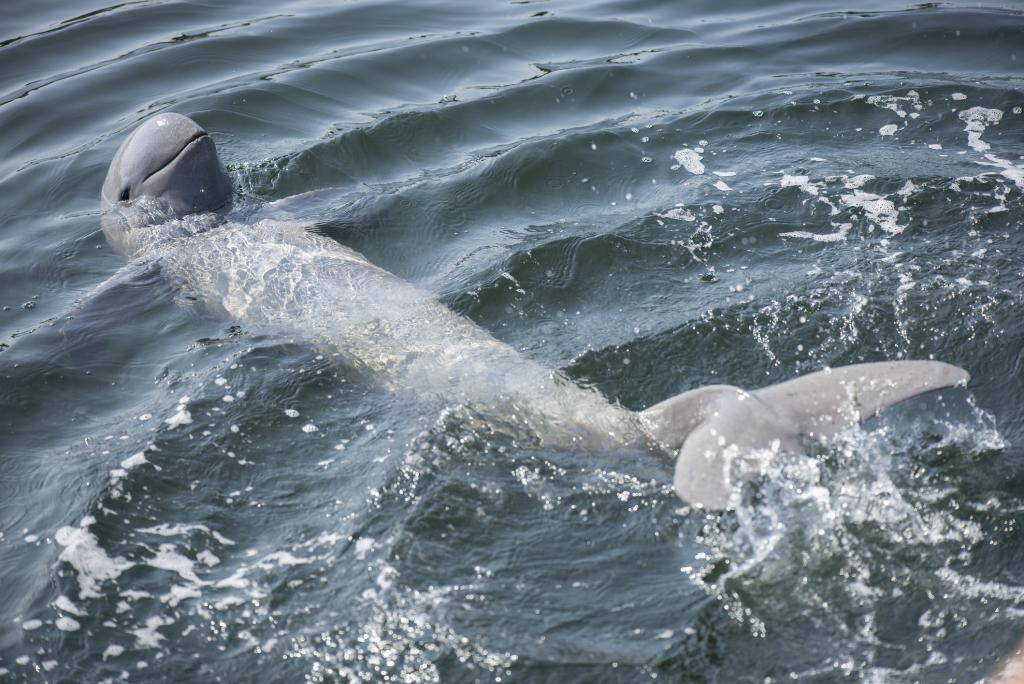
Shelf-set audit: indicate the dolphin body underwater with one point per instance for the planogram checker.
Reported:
(164, 199)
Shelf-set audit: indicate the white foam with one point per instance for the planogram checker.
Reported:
(1009, 170)
(207, 558)
(802, 182)
(67, 624)
(723, 186)
(179, 593)
(167, 558)
(838, 236)
(724, 174)
(134, 461)
(978, 589)
(181, 417)
(239, 580)
(148, 636)
(895, 103)
(68, 606)
(888, 129)
(977, 120)
(879, 211)
(689, 160)
(169, 530)
(221, 538)
(82, 552)
(678, 214)
(291, 413)
(30, 625)
(363, 546)
(236, 580)
(854, 182)
(284, 558)
(958, 96)
(112, 651)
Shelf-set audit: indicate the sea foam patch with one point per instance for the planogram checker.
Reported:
(977, 119)
(83, 553)
(181, 416)
(879, 211)
(896, 103)
(839, 235)
(689, 160)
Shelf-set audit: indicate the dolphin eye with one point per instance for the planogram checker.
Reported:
(124, 195)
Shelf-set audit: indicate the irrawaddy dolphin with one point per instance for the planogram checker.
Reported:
(165, 197)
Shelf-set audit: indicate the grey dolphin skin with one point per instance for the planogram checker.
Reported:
(164, 200)
(169, 158)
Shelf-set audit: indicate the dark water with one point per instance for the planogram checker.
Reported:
(534, 165)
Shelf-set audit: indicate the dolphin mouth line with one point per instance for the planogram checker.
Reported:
(188, 143)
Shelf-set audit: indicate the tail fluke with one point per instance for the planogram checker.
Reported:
(832, 400)
(717, 429)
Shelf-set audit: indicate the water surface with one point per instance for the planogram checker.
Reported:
(649, 195)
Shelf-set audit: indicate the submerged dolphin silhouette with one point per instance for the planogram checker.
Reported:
(163, 196)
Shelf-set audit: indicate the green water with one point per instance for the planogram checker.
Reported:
(649, 195)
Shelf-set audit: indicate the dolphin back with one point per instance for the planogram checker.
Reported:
(721, 434)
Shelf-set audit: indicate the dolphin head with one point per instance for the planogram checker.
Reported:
(171, 162)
